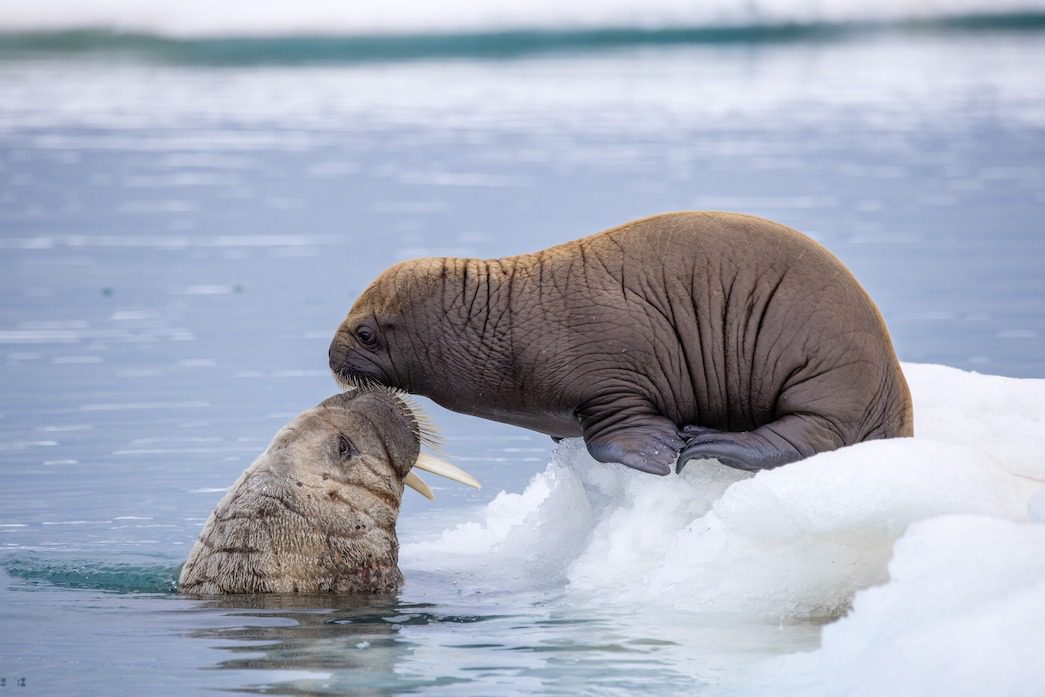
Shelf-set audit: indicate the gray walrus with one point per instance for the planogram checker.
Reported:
(718, 335)
(316, 512)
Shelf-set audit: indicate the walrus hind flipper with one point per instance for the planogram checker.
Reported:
(785, 440)
(737, 450)
(648, 443)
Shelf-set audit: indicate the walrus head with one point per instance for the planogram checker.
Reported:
(361, 351)
(316, 512)
(408, 330)
(390, 322)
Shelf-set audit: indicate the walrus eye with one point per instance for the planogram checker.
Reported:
(366, 336)
(345, 449)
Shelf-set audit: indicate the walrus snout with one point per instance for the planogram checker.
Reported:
(339, 350)
(342, 360)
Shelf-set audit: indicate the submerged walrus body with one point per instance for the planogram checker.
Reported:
(316, 512)
(718, 335)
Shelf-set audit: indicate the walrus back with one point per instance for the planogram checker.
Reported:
(767, 323)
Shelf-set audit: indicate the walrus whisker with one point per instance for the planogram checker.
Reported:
(352, 382)
(424, 427)
(345, 382)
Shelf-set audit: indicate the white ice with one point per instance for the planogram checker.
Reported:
(926, 548)
(962, 614)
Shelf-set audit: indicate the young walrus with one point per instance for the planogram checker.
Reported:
(316, 512)
(692, 335)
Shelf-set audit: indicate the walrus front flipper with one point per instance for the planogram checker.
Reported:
(785, 440)
(646, 442)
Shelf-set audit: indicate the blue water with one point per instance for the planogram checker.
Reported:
(179, 238)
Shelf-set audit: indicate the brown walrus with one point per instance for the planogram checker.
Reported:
(316, 512)
(715, 334)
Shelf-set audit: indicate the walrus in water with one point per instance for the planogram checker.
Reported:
(316, 512)
(718, 335)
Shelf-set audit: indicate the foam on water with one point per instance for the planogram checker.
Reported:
(202, 18)
(798, 542)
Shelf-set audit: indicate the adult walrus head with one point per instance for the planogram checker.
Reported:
(316, 512)
(718, 335)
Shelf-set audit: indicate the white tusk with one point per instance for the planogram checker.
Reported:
(418, 485)
(430, 463)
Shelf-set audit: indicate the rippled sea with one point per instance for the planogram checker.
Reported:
(178, 242)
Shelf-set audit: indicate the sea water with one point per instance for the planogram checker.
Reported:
(187, 211)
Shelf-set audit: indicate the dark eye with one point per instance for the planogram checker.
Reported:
(345, 449)
(366, 336)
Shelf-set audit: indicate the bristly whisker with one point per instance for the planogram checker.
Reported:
(424, 428)
(350, 382)
(344, 384)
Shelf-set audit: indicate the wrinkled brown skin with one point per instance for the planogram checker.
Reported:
(721, 335)
(309, 516)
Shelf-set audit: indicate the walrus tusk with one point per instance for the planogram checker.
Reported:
(430, 463)
(418, 485)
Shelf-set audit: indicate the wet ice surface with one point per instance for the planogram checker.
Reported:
(179, 243)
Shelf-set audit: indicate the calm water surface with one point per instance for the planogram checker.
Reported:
(178, 242)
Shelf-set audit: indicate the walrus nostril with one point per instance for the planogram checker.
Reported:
(337, 354)
(340, 356)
